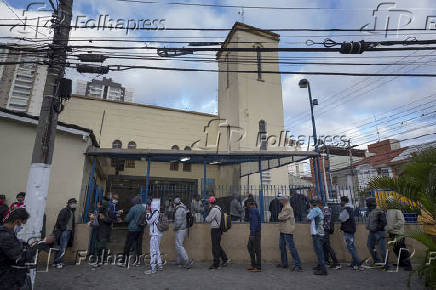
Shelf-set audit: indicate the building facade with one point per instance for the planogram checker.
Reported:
(21, 85)
(105, 89)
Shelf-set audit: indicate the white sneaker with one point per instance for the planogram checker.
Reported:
(59, 266)
(149, 272)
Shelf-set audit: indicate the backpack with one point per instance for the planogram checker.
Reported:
(332, 226)
(226, 222)
(163, 225)
(142, 221)
(381, 221)
(189, 219)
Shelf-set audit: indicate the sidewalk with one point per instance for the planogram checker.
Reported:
(232, 277)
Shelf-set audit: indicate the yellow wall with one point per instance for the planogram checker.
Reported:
(149, 127)
(66, 174)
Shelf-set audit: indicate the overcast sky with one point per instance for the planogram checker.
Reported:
(403, 107)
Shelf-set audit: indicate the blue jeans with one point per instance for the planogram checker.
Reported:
(349, 242)
(64, 239)
(288, 240)
(319, 251)
(377, 238)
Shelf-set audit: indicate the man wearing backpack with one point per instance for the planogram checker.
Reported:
(348, 226)
(181, 229)
(214, 218)
(376, 224)
(153, 219)
(329, 228)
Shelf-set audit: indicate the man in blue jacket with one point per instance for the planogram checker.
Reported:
(255, 236)
(135, 231)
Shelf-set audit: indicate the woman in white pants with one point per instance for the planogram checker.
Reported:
(155, 236)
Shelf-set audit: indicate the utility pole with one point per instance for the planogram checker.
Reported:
(351, 167)
(39, 173)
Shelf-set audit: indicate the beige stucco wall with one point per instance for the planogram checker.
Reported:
(148, 127)
(244, 100)
(66, 174)
(234, 242)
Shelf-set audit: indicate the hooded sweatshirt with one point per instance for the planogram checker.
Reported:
(287, 220)
(152, 220)
(180, 217)
(348, 225)
(214, 217)
(395, 222)
(133, 217)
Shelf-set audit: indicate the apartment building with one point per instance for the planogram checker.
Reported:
(22, 84)
(105, 89)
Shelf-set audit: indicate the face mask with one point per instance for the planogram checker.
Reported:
(73, 206)
(18, 228)
(114, 201)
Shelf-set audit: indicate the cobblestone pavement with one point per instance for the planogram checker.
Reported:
(232, 277)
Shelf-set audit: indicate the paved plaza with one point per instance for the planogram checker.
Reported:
(232, 277)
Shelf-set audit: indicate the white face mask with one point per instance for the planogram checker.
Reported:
(114, 201)
(18, 228)
(73, 205)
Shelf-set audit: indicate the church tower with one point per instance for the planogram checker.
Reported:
(252, 101)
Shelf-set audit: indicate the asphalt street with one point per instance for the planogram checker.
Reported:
(231, 277)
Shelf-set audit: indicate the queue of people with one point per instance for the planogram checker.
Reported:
(381, 227)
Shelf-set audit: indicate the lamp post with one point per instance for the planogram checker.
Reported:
(304, 83)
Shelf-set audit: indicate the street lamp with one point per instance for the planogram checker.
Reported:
(304, 83)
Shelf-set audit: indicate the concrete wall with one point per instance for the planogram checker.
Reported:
(234, 242)
(66, 174)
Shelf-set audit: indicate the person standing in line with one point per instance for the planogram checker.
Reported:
(214, 219)
(236, 210)
(155, 237)
(134, 232)
(395, 230)
(254, 240)
(64, 231)
(376, 224)
(113, 206)
(105, 218)
(275, 207)
(329, 227)
(197, 208)
(181, 229)
(317, 231)
(3, 208)
(348, 226)
(287, 228)
(249, 199)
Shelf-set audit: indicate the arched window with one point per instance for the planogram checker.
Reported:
(117, 144)
(174, 165)
(131, 163)
(187, 166)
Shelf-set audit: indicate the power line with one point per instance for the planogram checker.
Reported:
(249, 7)
(127, 67)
